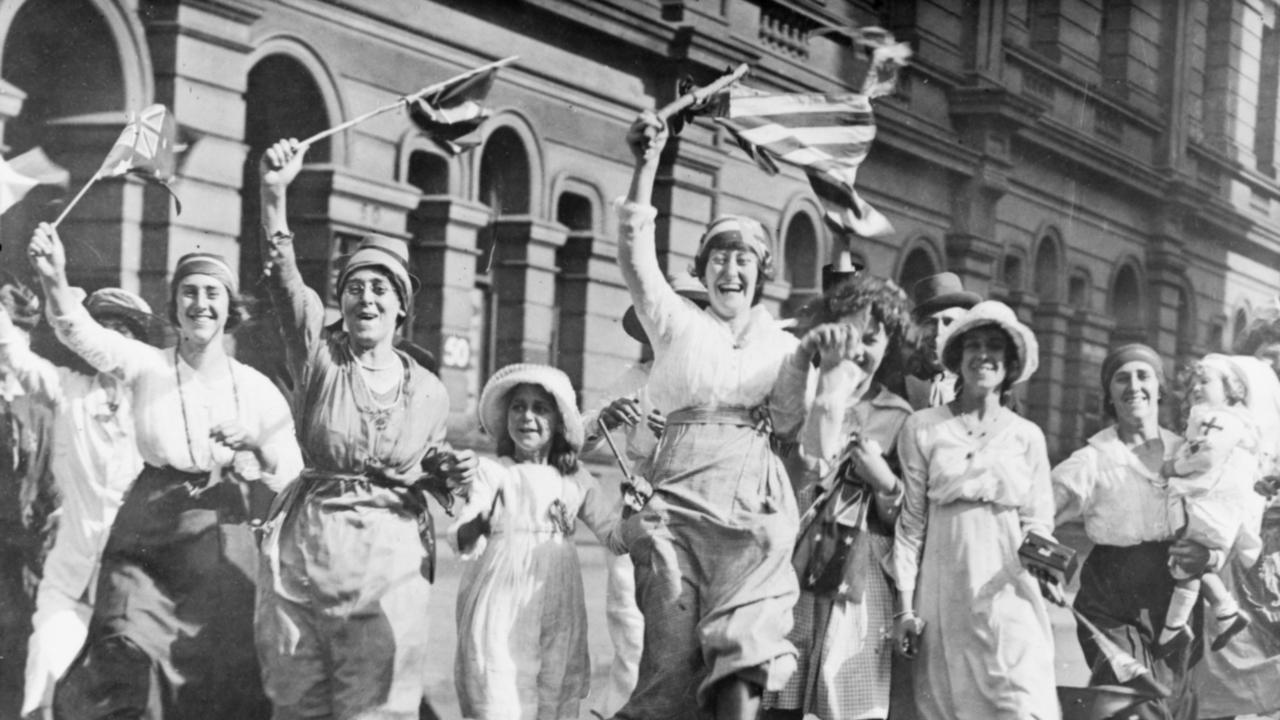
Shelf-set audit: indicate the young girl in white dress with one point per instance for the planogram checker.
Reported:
(522, 624)
(1212, 476)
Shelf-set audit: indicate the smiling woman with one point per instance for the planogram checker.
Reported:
(1113, 485)
(350, 557)
(721, 496)
(977, 482)
(173, 620)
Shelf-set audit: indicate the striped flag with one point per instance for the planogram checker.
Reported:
(450, 115)
(827, 136)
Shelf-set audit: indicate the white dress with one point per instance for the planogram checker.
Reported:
(522, 620)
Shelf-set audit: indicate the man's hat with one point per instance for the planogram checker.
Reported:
(939, 292)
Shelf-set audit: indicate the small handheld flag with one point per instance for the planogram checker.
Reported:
(145, 148)
(825, 134)
(458, 89)
(450, 115)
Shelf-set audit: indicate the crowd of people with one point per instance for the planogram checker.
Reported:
(820, 521)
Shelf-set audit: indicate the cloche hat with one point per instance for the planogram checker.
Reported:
(993, 312)
(493, 399)
(388, 254)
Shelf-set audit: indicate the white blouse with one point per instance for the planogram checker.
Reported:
(1121, 501)
(697, 360)
(174, 408)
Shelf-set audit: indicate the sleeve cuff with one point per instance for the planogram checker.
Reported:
(634, 215)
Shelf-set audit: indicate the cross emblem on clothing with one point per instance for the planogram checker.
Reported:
(1210, 424)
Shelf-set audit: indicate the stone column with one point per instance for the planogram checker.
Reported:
(524, 279)
(443, 255)
(1232, 69)
(1086, 344)
(1046, 393)
(198, 51)
(985, 116)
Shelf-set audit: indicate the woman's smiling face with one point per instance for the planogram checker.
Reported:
(1134, 390)
(731, 276)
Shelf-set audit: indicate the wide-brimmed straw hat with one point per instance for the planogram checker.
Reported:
(995, 313)
(939, 292)
(117, 302)
(493, 399)
(685, 285)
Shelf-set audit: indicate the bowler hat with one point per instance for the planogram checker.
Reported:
(939, 292)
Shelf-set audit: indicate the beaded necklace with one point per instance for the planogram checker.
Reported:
(182, 400)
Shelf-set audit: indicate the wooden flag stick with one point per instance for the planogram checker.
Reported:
(405, 100)
(75, 200)
(702, 94)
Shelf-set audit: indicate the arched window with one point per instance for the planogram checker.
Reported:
(504, 174)
(1239, 325)
(282, 100)
(1126, 305)
(63, 55)
(1185, 329)
(801, 264)
(1046, 270)
(569, 319)
(505, 189)
(1011, 272)
(919, 265)
(428, 172)
(1078, 295)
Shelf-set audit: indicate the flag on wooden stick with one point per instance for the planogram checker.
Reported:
(20, 174)
(451, 115)
(145, 148)
(827, 136)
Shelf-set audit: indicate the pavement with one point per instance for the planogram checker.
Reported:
(1071, 669)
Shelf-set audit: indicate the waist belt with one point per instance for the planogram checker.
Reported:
(752, 417)
(412, 498)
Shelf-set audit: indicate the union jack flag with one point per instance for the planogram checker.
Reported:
(145, 148)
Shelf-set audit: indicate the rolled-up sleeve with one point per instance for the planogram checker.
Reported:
(1073, 481)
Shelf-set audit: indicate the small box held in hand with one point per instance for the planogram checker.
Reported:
(1052, 559)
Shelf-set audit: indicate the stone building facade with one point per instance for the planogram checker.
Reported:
(1108, 167)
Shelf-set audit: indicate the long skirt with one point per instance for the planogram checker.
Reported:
(1125, 592)
(986, 652)
(714, 579)
(172, 631)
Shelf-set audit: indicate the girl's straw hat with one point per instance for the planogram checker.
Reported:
(493, 400)
(993, 312)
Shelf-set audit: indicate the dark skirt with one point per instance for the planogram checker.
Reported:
(172, 631)
(1125, 591)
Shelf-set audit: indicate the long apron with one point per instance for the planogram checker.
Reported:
(712, 552)
(172, 630)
